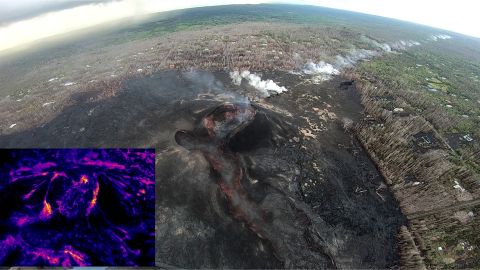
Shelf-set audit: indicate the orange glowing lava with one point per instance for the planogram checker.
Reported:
(47, 209)
(76, 256)
(84, 179)
(94, 199)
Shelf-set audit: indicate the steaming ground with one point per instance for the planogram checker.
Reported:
(318, 199)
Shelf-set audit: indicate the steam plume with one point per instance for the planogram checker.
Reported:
(439, 36)
(264, 87)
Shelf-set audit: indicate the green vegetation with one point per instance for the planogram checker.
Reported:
(434, 82)
(215, 16)
(437, 85)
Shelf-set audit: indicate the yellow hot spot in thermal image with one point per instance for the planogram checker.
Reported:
(84, 179)
(76, 256)
(47, 209)
(95, 194)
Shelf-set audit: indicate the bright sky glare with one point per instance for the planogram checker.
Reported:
(459, 16)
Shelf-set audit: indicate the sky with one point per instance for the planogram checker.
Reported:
(25, 21)
(460, 16)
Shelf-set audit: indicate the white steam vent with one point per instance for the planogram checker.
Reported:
(320, 72)
(404, 44)
(439, 36)
(355, 55)
(321, 68)
(264, 87)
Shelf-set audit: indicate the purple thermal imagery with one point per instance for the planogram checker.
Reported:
(77, 207)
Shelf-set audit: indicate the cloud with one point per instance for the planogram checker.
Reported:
(64, 21)
(458, 16)
(80, 14)
(12, 11)
(67, 20)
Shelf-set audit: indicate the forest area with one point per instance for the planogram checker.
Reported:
(408, 130)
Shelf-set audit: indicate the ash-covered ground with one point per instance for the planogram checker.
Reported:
(271, 183)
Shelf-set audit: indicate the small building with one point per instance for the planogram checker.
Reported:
(468, 138)
(369, 118)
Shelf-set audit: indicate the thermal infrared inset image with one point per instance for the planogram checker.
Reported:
(77, 207)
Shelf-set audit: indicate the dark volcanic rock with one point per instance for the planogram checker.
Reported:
(255, 193)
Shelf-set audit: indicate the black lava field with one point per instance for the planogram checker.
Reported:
(237, 184)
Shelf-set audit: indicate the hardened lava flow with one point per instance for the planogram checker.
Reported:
(213, 138)
(66, 207)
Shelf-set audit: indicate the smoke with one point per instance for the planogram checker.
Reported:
(264, 87)
(320, 72)
(206, 81)
(347, 124)
(324, 71)
(236, 77)
(298, 60)
(355, 55)
(388, 47)
(439, 36)
(208, 87)
(321, 68)
(403, 45)
(383, 46)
